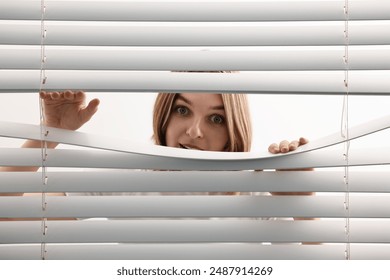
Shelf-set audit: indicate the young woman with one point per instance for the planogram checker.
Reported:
(209, 122)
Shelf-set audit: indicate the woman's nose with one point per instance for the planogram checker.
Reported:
(195, 130)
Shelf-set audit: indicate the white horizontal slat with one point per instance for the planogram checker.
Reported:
(189, 231)
(196, 181)
(269, 82)
(196, 59)
(195, 34)
(28, 131)
(209, 10)
(194, 206)
(198, 251)
(104, 159)
(159, 157)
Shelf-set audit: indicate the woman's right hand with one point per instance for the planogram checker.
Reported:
(286, 146)
(68, 109)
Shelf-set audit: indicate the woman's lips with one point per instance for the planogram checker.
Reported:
(189, 147)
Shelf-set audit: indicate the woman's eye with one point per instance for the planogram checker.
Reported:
(182, 110)
(217, 119)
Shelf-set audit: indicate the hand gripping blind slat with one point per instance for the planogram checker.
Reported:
(164, 158)
(26, 131)
(105, 159)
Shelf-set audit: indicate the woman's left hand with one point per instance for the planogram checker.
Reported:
(286, 146)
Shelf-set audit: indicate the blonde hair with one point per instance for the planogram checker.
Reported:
(237, 120)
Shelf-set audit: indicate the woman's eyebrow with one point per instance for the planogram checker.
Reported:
(189, 102)
(184, 99)
(219, 107)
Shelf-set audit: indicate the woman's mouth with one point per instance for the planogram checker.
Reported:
(189, 147)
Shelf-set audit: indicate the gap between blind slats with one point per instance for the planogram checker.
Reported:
(196, 181)
(188, 231)
(195, 34)
(105, 159)
(196, 59)
(195, 207)
(374, 82)
(233, 10)
(199, 251)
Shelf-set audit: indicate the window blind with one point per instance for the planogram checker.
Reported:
(278, 47)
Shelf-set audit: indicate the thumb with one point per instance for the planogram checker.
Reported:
(90, 110)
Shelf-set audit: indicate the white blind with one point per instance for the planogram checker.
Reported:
(279, 47)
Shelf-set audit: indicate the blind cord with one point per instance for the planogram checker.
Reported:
(345, 131)
(43, 130)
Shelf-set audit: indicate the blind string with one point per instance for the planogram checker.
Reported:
(43, 130)
(345, 130)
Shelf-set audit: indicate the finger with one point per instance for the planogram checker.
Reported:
(80, 96)
(47, 96)
(283, 146)
(273, 148)
(55, 95)
(303, 141)
(69, 95)
(293, 145)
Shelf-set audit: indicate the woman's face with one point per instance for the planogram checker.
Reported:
(197, 121)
